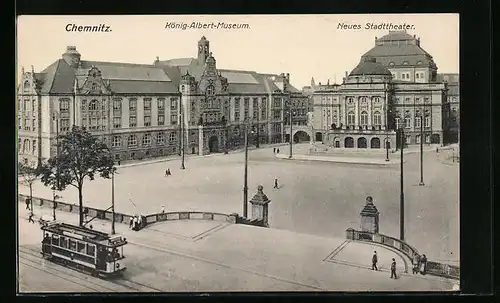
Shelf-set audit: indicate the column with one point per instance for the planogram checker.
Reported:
(200, 140)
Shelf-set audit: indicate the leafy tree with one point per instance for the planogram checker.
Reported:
(28, 176)
(81, 156)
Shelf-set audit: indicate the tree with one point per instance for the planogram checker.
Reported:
(80, 156)
(28, 176)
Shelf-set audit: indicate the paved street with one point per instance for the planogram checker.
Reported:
(170, 256)
(314, 197)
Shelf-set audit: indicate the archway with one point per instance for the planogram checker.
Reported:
(336, 142)
(319, 136)
(362, 142)
(213, 144)
(349, 142)
(301, 136)
(375, 143)
(435, 139)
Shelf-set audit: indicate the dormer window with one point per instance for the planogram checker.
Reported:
(391, 63)
(405, 63)
(210, 90)
(419, 62)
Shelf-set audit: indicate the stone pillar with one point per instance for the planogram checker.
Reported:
(370, 217)
(200, 140)
(260, 208)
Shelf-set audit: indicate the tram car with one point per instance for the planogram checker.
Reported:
(83, 249)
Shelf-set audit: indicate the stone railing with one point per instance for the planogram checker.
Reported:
(432, 268)
(152, 218)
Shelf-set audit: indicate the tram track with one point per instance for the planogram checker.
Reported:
(128, 285)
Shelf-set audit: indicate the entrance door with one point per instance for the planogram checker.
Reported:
(213, 144)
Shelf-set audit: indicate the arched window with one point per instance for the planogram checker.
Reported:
(350, 118)
(93, 105)
(418, 122)
(376, 99)
(397, 121)
(364, 118)
(210, 90)
(391, 63)
(405, 63)
(350, 100)
(132, 140)
(407, 122)
(377, 118)
(27, 86)
(363, 99)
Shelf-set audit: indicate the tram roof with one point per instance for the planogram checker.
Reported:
(85, 233)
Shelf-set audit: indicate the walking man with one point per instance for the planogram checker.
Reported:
(30, 218)
(393, 269)
(276, 183)
(28, 202)
(423, 264)
(166, 172)
(374, 261)
(274, 150)
(277, 150)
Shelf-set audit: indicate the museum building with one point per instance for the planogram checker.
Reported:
(150, 110)
(394, 86)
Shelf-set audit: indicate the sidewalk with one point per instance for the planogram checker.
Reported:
(350, 160)
(241, 253)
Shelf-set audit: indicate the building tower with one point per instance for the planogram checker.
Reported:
(203, 50)
(188, 90)
(72, 56)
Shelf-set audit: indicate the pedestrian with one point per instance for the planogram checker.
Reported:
(437, 150)
(134, 225)
(162, 209)
(166, 172)
(374, 261)
(119, 162)
(28, 202)
(131, 223)
(30, 218)
(169, 173)
(416, 264)
(277, 150)
(275, 183)
(274, 150)
(423, 264)
(393, 269)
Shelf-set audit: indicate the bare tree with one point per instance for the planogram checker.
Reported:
(28, 176)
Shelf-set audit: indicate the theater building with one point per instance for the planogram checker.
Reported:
(394, 86)
(149, 110)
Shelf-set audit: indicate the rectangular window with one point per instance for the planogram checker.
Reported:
(237, 104)
(161, 103)
(398, 122)
(427, 139)
(161, 120)
(236, 116)
(27, 124)
(147, 103)
(33, 106)
(132, 104)
(160, 139)
(417, 122)
(408, 139)
(91, 250)
(407, 122)
(147, 120)
(117, 104)
(93, 123)
(146, 140)
(172, 137)
(33, 147)
(132, 140)
(117, 122)
(132, 121)
(33, 124)
(427, 121)
(116, 142)
(277, 114)
(255, 103)
(246, 105)
(173, 118)
(417, 138)
(173, 103)
(64, 125)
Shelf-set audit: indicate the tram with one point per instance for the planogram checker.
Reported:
(83, 249)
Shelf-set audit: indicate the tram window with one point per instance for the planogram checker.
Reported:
(72, 244)
(55, 240)
(81, 247)
(63, 242)
(90, 250)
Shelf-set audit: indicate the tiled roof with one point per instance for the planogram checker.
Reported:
(140, 87)
(238, 77)
(125, 71)
(396, 35)
(398, 54)
(369, 66)
(180, 61)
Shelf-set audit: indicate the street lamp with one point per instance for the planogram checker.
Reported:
(245, 184)
(291, 133)
(421, 153)
(54, 197)
(402, 195)
(113, 170)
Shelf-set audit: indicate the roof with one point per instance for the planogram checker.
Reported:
(179, 61)
(448, 77)
(396, 35)
(370, 66)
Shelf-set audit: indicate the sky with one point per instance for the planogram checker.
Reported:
(303, 45)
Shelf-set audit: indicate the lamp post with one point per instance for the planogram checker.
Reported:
(245, 181)
(421, 153)
(54, 198)
(291, 134)
(113, 200)
(402, 195)
(387, 149)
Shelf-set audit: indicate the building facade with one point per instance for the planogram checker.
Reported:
(394, 86)
(159, 109)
